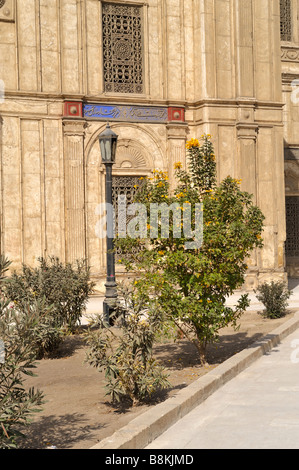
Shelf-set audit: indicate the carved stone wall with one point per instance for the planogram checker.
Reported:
(194, 66)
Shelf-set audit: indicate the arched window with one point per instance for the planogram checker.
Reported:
(286, 29)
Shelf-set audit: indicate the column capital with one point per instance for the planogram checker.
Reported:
(247, 130)
(74, 127)
(176, 131)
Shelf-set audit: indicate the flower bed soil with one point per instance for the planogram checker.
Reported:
(77, 414)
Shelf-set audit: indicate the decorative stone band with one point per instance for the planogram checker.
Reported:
(290, 54)
(124, 113)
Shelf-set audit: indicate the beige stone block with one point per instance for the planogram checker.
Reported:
(264, 84)
(155, 76)
(54, 241)
(27, 66)
(52, 149)
(69, 23)
(226, 151)
(13, 246)
(93, 23)
(7, 33)
(21, 107)
(173, 8)
(70, 71)
(268, 253)
(267, 201)
(12, 215)
(26, 24)
(224, 53)
(268, 115)
(223, 17)
(209, 90)
(53, 198)
(10, 161)
(32, 237)
(11, 189)
(225, 84)
(8, 67)
(55, 109)
(31, 156)
(50, 71)
(31, 196)
(49, 25)
(94, 69)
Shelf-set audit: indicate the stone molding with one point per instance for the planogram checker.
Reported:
(290, 54)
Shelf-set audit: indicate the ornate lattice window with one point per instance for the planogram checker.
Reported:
(286, 29)
(122, 48)
(123, 186)
(292, 214)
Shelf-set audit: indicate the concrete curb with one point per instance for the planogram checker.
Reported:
(142, 430)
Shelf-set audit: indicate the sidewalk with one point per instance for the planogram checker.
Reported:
(95, 304)
(258, 409)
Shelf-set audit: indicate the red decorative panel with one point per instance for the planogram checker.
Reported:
(73, 109)
(176, 114)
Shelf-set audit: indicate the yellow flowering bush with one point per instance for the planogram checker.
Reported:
(190, 286)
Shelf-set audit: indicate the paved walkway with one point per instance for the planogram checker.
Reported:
(258, 409)
(95, 304)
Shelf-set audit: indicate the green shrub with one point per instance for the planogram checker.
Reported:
(274, 296)
(126, 353)
(16, 403)
(63, 288)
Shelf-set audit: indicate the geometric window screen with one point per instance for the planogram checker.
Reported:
(286, 29)
(124, 187)
(292, 216)
(122, 48)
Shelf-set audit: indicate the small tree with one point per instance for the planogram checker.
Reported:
(126, 353)
(191, 286)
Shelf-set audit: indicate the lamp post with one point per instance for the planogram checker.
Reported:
(108, 143)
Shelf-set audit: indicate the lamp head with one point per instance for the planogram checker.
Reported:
(108, 143)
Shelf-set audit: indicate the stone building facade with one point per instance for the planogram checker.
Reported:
(161, 72)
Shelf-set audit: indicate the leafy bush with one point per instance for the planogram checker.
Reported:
(62, 288)
(126, 353)
(190, 286)
(16, 403)
(274, 296)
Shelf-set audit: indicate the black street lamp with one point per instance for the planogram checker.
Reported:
(108, 143)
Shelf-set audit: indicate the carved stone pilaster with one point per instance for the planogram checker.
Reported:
(247, 136)
(177, 135)
(75, 238)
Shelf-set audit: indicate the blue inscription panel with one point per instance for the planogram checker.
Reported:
(126, 113)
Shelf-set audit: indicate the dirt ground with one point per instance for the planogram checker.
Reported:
(77, 414)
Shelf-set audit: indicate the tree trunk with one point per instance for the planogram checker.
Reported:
(201, 349)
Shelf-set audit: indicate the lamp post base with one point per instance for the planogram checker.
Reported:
(109, 307)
